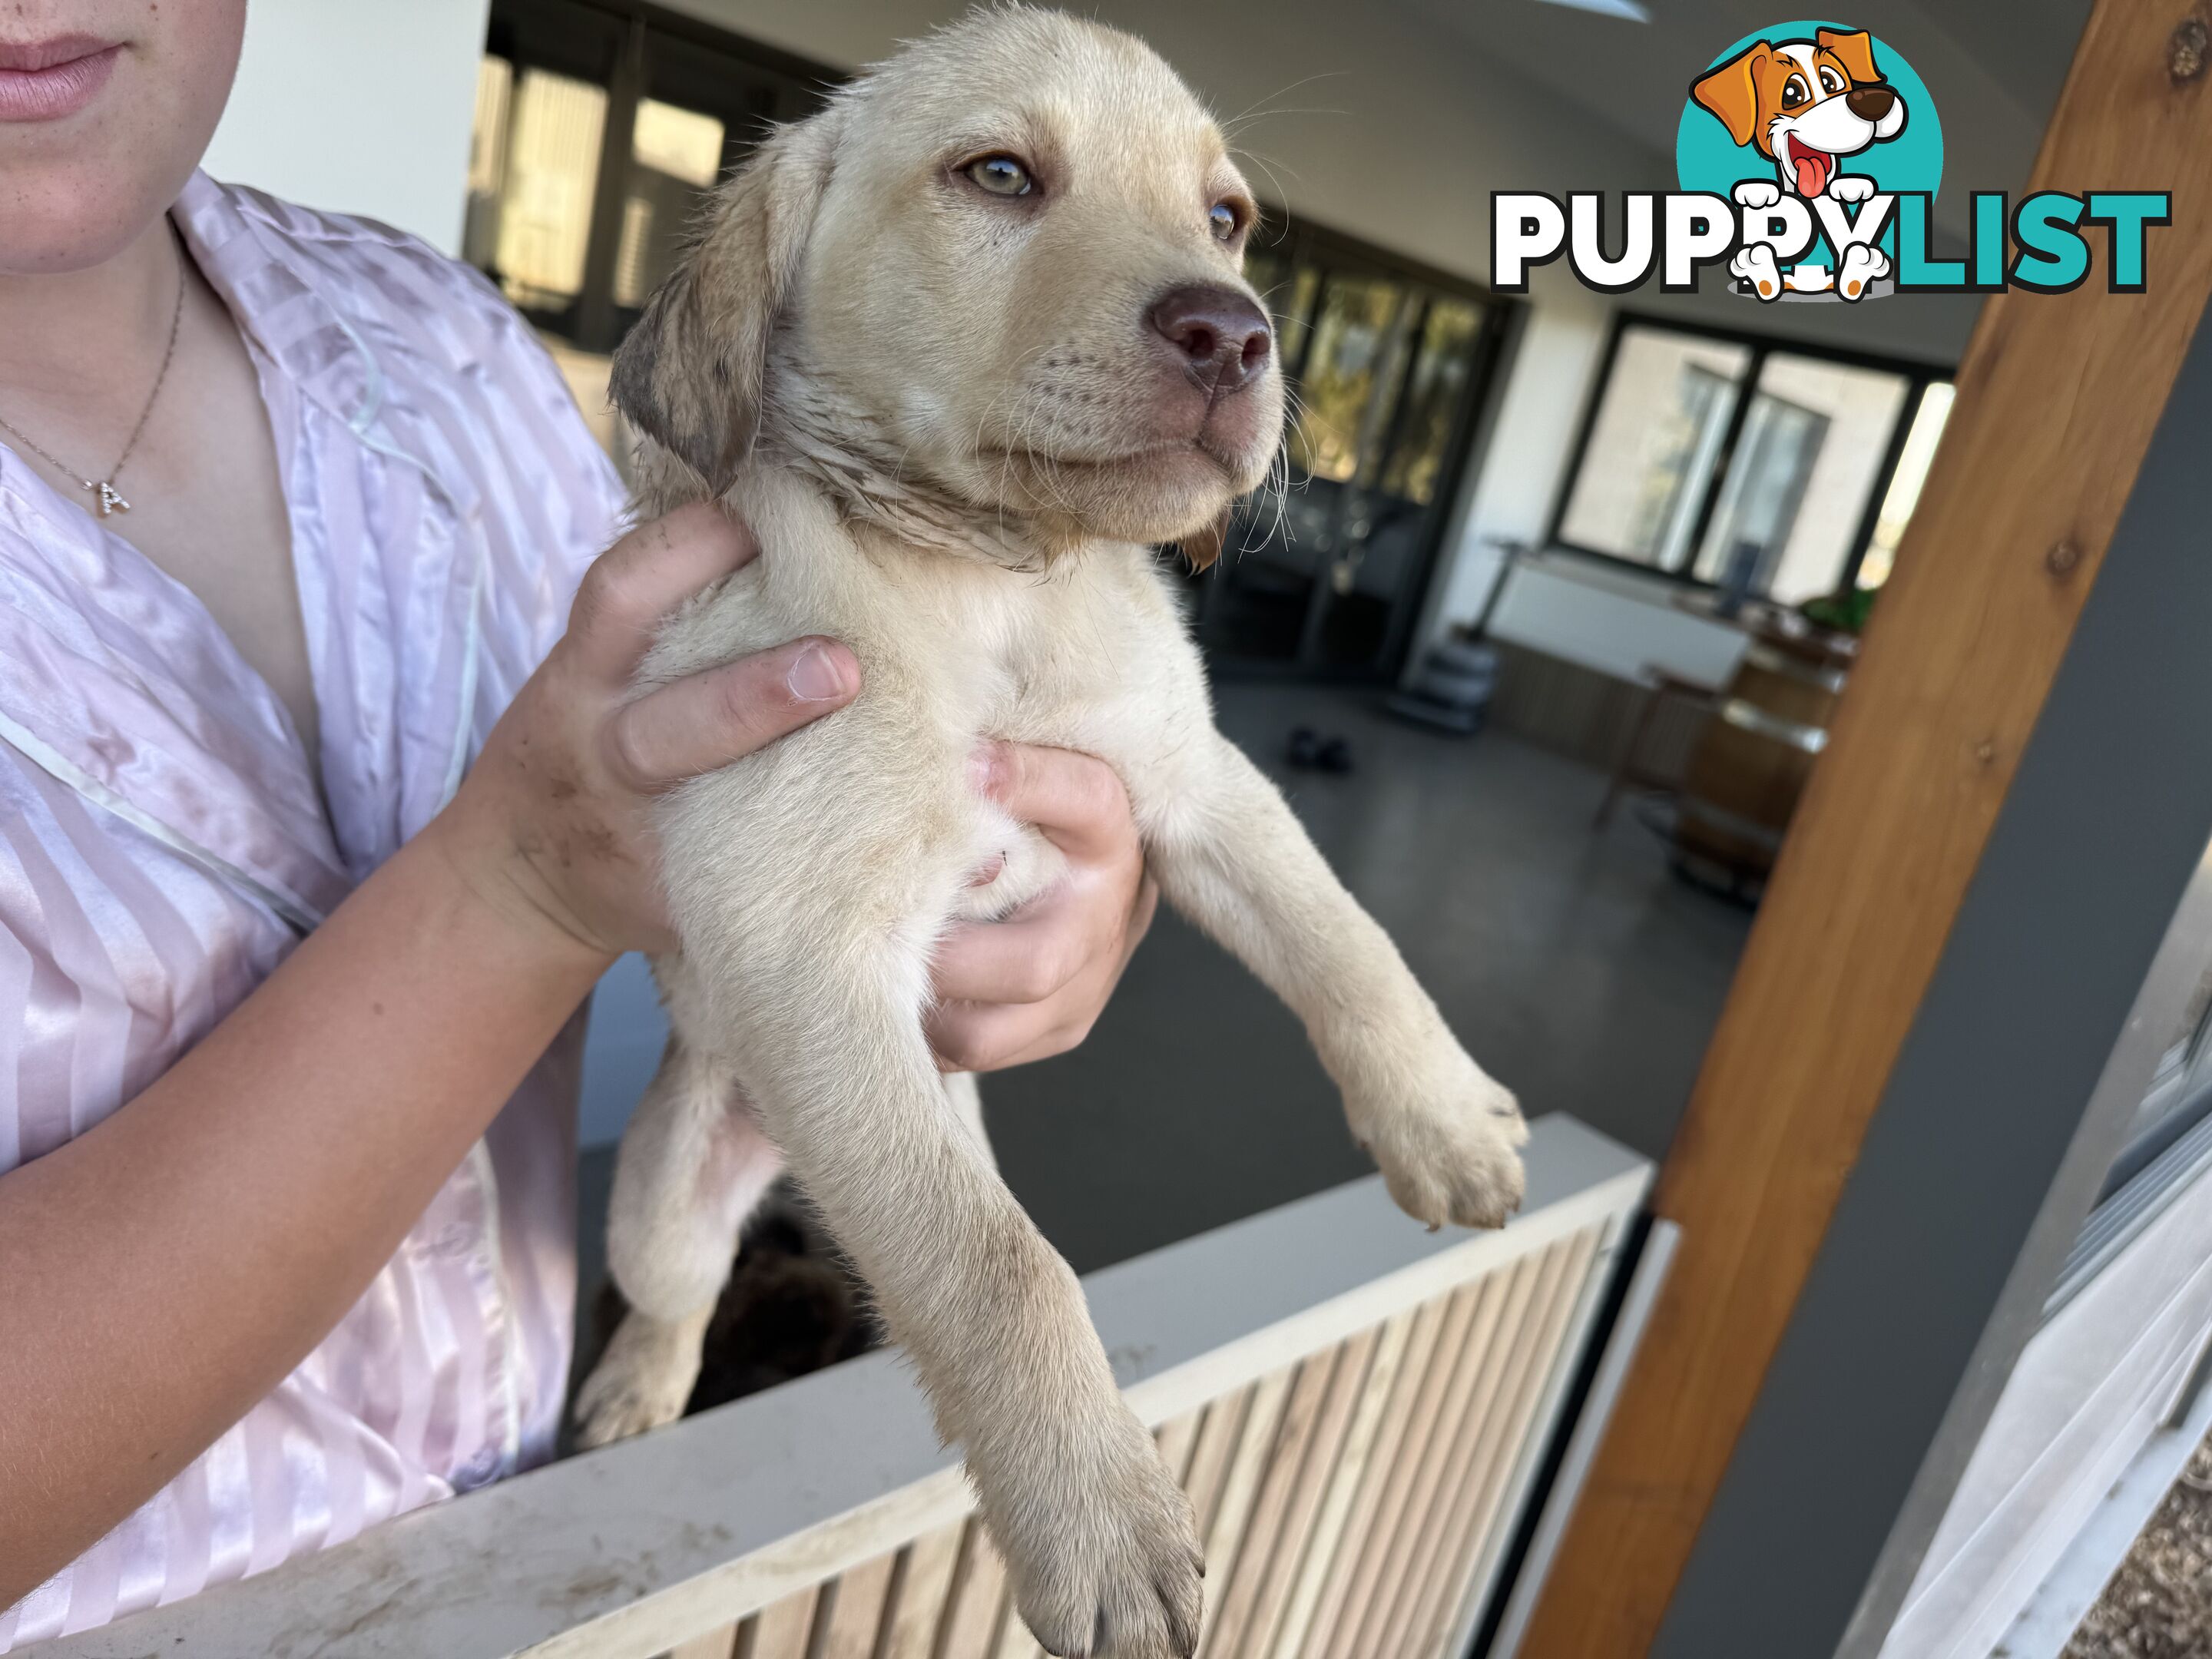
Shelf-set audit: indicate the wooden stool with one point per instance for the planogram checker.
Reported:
(1628, 771)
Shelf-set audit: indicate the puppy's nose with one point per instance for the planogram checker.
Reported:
(1219, 336)
(1869, 103)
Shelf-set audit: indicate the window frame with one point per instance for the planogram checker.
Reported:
(1917, 374)
(569, 36)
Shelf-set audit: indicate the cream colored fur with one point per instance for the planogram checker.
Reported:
(945, 419)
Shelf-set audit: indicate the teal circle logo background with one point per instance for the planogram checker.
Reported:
(1706, 159)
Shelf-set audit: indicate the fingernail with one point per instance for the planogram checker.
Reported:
(817, 676)
(985, 767)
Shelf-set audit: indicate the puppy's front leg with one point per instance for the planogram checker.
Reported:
(1230, 855)
(818, 979)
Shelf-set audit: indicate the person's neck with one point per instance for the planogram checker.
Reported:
(74, 344)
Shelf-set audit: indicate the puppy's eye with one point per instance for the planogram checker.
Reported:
(1002, 175)
(1831, 82)
(1226, 221)
(1795, 91)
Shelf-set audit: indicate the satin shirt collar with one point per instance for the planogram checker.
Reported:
(115, 677)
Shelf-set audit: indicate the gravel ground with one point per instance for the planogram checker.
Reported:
(2159, 1604)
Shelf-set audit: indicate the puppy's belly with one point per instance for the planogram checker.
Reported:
(1010, 865)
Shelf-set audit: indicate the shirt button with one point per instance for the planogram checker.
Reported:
(454, 1240)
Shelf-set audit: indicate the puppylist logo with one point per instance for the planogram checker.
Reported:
(1810, 156)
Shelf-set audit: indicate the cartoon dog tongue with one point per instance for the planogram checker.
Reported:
(1811, 165)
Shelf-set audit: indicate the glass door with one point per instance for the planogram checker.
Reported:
(598, 131)
(1325, 576)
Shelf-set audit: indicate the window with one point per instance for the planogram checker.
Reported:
(599, 125)
(1732, 463)
(1667, 402)
(2168, 1142)
(676, 155)
(1904, 484)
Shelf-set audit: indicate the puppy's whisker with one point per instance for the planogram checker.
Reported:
(1253, 111)
(1269, 114)
(1268, 167)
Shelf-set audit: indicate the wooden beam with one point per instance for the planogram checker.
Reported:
(2057, 398)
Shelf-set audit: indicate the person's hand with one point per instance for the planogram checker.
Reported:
(1031, 986)
(551, 825)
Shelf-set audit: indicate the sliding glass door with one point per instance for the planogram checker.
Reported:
(1388, 367)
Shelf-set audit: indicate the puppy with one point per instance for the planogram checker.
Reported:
(957, 349)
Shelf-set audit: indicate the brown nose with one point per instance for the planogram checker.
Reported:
(1219, 335)
(1869, 103)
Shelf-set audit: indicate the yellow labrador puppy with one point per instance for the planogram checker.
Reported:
(957, 349)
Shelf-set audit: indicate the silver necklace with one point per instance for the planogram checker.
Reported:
(107, 499)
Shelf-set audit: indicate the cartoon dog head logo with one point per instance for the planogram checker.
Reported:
(1815, 131)
(1805, 104)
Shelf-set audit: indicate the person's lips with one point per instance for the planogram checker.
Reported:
(47, 80)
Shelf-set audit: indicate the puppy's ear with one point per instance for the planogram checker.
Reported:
(1855, 48)
(1203, 547)
(689, 374)
(1731, 91)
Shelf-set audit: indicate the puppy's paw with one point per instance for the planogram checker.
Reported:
(1452, 1152)
(1861, 266)
(1757, 193)
(642, 1381)
(1755, 265)
(1100, 1545)
(1850, 187)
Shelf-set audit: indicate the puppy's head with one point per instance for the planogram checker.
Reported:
(1803, 103)
(1016, 249)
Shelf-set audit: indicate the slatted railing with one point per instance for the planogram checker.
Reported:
(1354, 1406)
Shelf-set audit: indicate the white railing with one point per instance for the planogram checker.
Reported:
(1356, 1407)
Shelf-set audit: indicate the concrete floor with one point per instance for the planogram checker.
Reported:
(1571, 962)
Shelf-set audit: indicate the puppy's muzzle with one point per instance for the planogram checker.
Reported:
(1869, 103)
(1218, 336)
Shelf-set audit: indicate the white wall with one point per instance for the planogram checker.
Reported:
(357, 106)
(1538, 408)
(1615, 621)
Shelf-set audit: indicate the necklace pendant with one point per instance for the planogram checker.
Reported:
(109, 500)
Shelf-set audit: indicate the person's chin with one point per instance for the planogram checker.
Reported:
(70, 213)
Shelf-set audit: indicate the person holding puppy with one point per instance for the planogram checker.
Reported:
(322, 807)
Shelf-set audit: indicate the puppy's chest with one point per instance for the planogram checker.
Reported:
(1087, 673)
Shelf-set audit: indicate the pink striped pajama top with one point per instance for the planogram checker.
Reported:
(162, 846)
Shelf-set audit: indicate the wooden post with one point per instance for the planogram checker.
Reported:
(2057, 398)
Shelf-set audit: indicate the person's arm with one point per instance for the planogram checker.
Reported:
(163, 1272)
(160, 1273)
